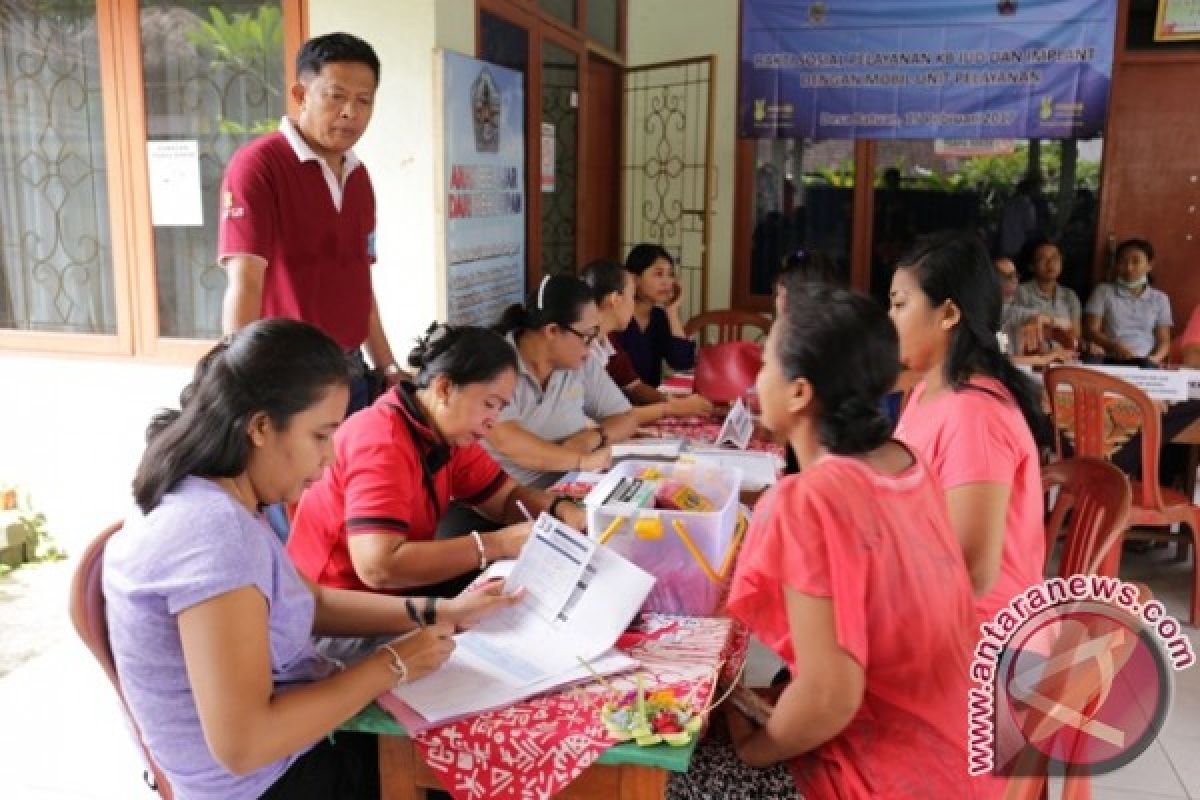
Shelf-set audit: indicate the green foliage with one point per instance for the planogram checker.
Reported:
(244, 42)
(256, 128)
(244, 45)
(42, 546)
(841, 176)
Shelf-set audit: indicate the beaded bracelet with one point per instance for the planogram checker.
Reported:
(397, 664)
(483, 562)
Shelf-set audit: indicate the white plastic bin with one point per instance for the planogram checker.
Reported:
(684, 585)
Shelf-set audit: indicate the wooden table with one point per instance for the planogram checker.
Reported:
(1189, 435)
(624, 771)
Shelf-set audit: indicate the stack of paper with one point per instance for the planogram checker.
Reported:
(578, 596)
(667, 447)
(759, 470)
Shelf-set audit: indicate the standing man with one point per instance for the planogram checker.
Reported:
(297, 230)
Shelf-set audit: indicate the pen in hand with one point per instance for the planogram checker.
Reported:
(521, 507)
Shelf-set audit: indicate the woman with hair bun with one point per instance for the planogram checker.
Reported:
(850, 572)
(209, 622)
(973, 414)
(566, 411)
(372, 521)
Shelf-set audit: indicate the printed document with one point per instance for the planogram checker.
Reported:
(578, 599)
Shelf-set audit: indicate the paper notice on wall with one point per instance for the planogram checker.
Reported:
(175, 196)
(547, 158)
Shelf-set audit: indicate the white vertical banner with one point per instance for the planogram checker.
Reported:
(482, 188)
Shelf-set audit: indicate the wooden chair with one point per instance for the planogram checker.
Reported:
(1098, 413)
(87, 615)
(1097, 496)
(730, 323)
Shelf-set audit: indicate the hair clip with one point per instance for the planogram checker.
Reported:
(437, 330)
(542, 292)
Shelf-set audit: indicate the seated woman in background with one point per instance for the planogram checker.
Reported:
(1055, 305)
(370, 522)
(209, 622)
(1129, 319)
(565, 411)
(655, 334)
(1022, 328)
(613, 289)
(834, 556)
(973, 413)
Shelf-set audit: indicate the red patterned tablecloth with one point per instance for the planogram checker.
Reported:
(704, 430)
(537, 747)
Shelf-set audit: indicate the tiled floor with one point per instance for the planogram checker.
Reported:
(61, 735)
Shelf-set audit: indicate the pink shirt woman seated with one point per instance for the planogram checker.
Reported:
(851, 574)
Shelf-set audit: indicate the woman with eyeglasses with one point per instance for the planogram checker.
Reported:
(565, 411)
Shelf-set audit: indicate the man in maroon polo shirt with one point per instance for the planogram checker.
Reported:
(297, 230)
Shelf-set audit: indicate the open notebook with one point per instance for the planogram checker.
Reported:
(578, 595)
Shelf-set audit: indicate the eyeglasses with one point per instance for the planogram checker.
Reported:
(1010, 277)
(588, 338)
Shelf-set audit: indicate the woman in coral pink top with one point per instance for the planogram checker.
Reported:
(972, 415)
(851, 574)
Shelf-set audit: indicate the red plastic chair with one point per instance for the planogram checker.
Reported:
(1098, 412)
(87, 615)
(730, 324)
(1098, 498)
(1093, 503)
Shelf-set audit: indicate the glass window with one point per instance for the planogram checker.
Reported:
(803, 200)
(214, 76)
(56, 270)
(603, 23)
(563, 10)
(977, 184)
(503, 42)
(560, 122)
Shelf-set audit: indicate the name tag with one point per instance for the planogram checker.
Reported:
(1171, 385)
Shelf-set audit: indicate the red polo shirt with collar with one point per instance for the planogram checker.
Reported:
(386, 457)
(277, 207)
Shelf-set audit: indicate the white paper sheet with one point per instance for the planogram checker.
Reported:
(551, 564)
(759, 470)
(738, 427)
(667, 447)
(538, 643)
(174, 171)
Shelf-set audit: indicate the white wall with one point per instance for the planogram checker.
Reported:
(71, 434)
(398, 151)
(71, 430)
(665, 30)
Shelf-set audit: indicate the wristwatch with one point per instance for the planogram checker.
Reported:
(553, 509)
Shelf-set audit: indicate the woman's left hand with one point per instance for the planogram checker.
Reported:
(740, 727)
(573, 515)
(672, 306)
(466, 610)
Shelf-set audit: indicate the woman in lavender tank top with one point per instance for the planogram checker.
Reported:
(210, 624)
